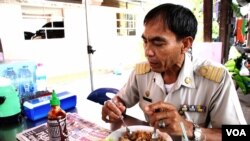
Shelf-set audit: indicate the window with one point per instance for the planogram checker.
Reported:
(42, 23)
(126, 24)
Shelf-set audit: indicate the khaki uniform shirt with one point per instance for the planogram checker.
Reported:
(204, 90)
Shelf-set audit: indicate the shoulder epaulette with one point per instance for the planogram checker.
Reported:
(211, 72)
(142, 68)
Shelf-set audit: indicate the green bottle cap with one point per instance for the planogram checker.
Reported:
(54, 101)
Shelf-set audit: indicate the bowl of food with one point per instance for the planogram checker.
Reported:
(139, 133)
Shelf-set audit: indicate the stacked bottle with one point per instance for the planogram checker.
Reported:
(26, 83)
(41, 78)
(11, 74)
(57, 120)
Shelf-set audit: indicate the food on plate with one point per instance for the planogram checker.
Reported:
(138, 135)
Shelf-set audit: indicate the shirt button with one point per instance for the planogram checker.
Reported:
(203, 71)
(187, 80)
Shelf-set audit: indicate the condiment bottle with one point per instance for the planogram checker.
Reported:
(57, 120)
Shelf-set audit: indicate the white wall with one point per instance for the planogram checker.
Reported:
(10, 29)
(112, 50)
(208, 50)
(69, 55)
(60, 56)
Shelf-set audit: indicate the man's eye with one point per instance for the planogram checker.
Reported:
(158, 43)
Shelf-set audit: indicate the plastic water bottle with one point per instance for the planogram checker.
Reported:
(11, 74)
(26, 83)
(41, 78)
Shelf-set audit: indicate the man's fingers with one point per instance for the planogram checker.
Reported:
(110, 111)
(159, 107)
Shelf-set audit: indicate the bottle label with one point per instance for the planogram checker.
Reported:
(41, 78)
(57, 130)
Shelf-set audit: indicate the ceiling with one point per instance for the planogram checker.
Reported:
(100, 1)
(67, 1)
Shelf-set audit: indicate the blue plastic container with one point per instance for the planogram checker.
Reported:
(38, 108)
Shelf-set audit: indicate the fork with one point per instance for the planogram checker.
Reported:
(154, 136)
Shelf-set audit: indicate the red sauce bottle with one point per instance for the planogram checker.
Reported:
(57, 121)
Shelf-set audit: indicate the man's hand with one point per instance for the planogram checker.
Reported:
(166, 118)
(112, 110)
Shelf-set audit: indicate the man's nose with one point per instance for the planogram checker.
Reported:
(149, 51)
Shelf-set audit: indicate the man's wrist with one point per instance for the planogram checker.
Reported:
(197, 133)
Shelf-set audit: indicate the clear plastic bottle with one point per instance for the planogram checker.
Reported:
(41, 83)
(57, 120)
(26, 83)
(11, 74)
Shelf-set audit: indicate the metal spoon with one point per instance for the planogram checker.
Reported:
(129, 132)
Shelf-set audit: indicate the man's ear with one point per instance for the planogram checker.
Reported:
(187, 44)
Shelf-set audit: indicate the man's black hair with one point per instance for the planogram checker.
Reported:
(178, 19)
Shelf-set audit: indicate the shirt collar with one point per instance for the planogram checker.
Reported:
(185, 78)
(186, 75)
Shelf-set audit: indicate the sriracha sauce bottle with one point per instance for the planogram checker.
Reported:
(57, 120)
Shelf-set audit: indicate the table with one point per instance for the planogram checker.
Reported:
(91, 113)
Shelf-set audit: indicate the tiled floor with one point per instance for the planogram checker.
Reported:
(83, 87)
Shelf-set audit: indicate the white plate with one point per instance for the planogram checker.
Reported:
(114, 136)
